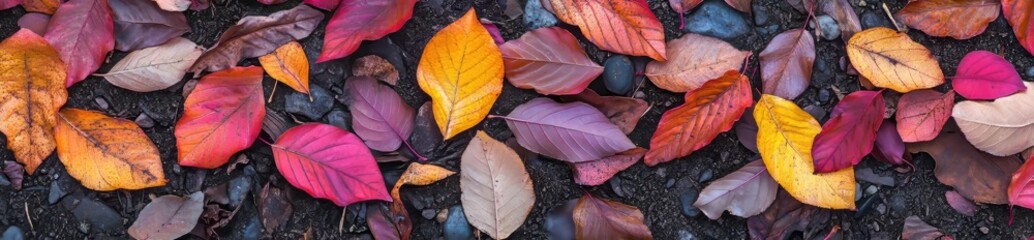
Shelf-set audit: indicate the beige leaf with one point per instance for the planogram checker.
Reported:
(1003, 127)
(154, 68)
(497, 194)
(692, 60)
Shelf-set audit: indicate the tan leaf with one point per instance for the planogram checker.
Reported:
(497, 192)
(694, 59)
(1003, 127)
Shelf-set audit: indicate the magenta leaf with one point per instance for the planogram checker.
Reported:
(592, 173)
(141, 24)
(82, 32)
(379, 115)
(850, 132)
(960, 203)
(889, 148)
(5, 4)
(983, 75)
(494, 31)
(550, 61)
(574, 132)
(355, 21)
(326, 5)
(745, 192)
(330, 163)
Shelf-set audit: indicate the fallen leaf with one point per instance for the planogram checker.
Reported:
(596, 172)
(462, 70)
(1018, 13)
(741, 5)
(106, 153)
(625, 27)
(843, 12)
(426, 138)
(417, 174)
(550, 61)
(168, 217)
(747, 130)
(379, 219)
(684, 6)
(141, 24)
(274, 208)
(1021, 188)
(984, 75)
(1001, 127)
(745, 192)
(493, 31)
(154, 68)
(48, 7)
(693, 60)
(496, 190)
(5, 4)
(922, 114)
(890, 59)
(624, 112)
(785, 134)
(379, 115)
(981, 177)
(14, 172)
(275, 123)
(179, 5)
(916, 229)
(709, 110)
(850, 132)
(37, 22)
(356, 21)
(327, 5)
(329, 163)
(288, 65)
(804, 6)
(942, 18)
(254, 36)
(574, 132)
(596, 218)
(82, 32)
(32, 89)
(961, 204)
(785, 217)
(786, 63)
(271, 2)
(377, 68)
(221, 116)
(888, 147)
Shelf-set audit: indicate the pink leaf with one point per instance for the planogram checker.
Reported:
(355, 21)
(494, 31)
(326, 5)
(983, 75)
(5, 4)
(889, 148)
(550, 61)
(379, 115)
(221, 116)
(330, 163)
(592, 173)
(922, 114)
(574, 132)
(37, 22)
(83, 33)
(850, 132)
(960, 203)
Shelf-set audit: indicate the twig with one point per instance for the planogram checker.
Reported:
(832, 232)
(341, 224)
(895, 21)
(29, 217)
(275, 83)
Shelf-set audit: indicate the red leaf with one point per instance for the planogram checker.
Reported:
(708, 111)
(684, 6)
(592, 173)
(889, 148)
(330, 163)
(627, 27)
(921, 114)
(83, 33)
(222, 116)
(379, 115)
(603, 219)
(1021, 188)
(1018, 13)
(941, 18)
(326, 5)
(355, 21)
(984, 75)
(550, 61)
(624, 112)
(977, 175)
(850, 132)
(786, 63)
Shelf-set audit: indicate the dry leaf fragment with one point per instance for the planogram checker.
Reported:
(168, 217)
(377, 68)
(154, 68)
(626, 27)
(959, 19)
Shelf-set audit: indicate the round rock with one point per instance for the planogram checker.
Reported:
(617, 74)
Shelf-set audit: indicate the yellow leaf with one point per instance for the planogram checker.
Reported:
(107, 153)
(421, 175)
(785, 135)
(890, 59)
(288, 65)
(32, 89)
(462, 70)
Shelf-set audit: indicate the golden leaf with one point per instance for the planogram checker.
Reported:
(107, 153)
(890, 59)
(288, 65)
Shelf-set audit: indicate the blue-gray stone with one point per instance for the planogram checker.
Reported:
(252, 229)
(559, 222)
(828, 27)
(299, 103)
(535, 16)
(1030, 71)
(617, 74)
(56, 193)
(238, 189)
(871, 19)
(99, 217)
(456, 226)
(717, 19)
(706, 175)
(340, 119)
(14, 233)
(687, 196)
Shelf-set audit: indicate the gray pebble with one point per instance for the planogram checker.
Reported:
(687, 196)
(299, 103)
(456, 226)
(13, 233)
(618, 74)
(871, 190)
(238, 189)
(828, 27)
(1030, 71)
(717, 19)
(535, 16)
(144, 121)
(686, 235)
(427, 214)
(56, 193)
(340, 119)
(857, 192)
(882, 209)
(706, 175)
(985, 230)
(101, 103)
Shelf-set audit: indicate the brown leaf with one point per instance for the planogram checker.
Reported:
(979, 176)
(168, 217)
(786, 63)
(376, 68)
(274, 208)
(841, 11)
(255, 36)
(916, 229)
(603, 219)
(784, 217)
(943, 18)
(742, 5)
(624, 112)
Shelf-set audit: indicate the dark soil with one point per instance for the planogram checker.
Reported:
(650, 189)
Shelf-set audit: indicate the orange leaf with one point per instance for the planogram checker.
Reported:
(890, 59)
(695, 59)
(941, 18)
(221, 116)
(41, 6)
(596, 218)
(288, 65)
(1020, 14)
(626, 27)
(32, 89)
(708, 111)
(106, 153)
(462, 70)
(418, 174)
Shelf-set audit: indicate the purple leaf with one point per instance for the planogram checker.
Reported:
(745, 192)
(889, 147)
(960, 203)
(37, 22)
(494, 31)
(747, 130)
(14, 172)
(574, 132)
(550, 61)
(983, 75)
(141, 24)
(379, 115)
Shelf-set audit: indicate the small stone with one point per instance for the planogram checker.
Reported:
(817, 112)
(615, 185)
(558, 223)
(857, 192)
(828, 27)
(983, 230)
(456, 226)
(144, 121)
(875, 226)
(862, 3)
(685, 235)
(825, 95)
(761, 15)
(717, 19)
(238, 189)
(687, 196)
(13, 233)
(442, 216)
(340, 119)
(617, 74)
(95, 216)
(1030, 71)
(101, 103)
(871, 190)
(428, 214)
(882, 209)
(871, 19)
(252, 228)
(662, 172)
(670, 183)
(56, 193)
(706, 175)
(299, 103)
(535, 16)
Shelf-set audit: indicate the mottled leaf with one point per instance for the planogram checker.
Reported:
(254, 36)
(922, 114)
(377, 68)
(106, 153)
(596, 172)
(626, 27)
